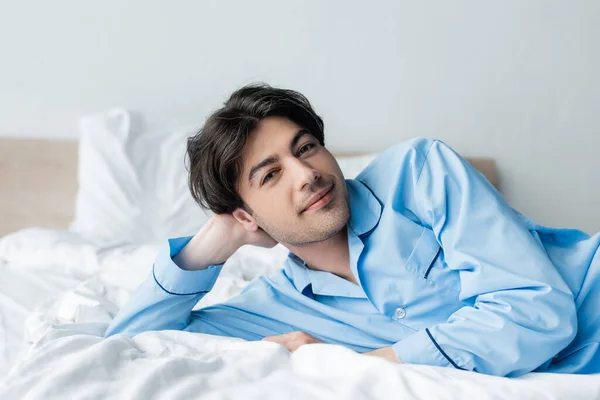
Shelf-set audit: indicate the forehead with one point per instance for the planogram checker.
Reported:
(271, 131)
(271, 137)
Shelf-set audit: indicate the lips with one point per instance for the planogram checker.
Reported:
(317, 196)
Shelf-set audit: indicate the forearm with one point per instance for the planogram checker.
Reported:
(150, 308)
(512, 293)
(184, 271)
(166, 298)
(210, 246)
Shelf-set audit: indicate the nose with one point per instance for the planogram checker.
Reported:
(304, 174)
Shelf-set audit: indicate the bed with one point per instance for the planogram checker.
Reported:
(64, 276)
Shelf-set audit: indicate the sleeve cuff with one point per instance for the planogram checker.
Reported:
(177, 281)
(421, 348)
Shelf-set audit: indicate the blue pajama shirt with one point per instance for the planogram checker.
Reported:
(449, 275)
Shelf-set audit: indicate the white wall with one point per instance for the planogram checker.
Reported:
(515, 80)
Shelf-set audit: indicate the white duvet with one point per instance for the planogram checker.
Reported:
(58, 294)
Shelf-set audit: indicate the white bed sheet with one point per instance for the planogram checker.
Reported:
(21, 290)
(50, 276)
(64, 306)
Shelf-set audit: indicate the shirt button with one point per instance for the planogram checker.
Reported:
(399, 313)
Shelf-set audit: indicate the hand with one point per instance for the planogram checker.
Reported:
(216, 241)
(292, 340)
(227, 226)
(386, 352)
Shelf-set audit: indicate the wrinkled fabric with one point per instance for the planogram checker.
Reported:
(449, 275)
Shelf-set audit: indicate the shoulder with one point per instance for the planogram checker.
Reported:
(397, 167)
(411, 153)
(417, 144)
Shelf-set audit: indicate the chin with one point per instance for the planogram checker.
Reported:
(319, 229)
(334, 221)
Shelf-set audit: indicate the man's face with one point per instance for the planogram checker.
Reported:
(285, 170)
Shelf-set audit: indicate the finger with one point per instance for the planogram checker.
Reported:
(288, 344)
(285, 336)
(294, 345)
(275, 339)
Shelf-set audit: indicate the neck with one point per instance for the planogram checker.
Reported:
(331, 255)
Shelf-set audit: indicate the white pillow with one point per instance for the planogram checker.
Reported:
(175, 213)
(132, 182)
(351, 166)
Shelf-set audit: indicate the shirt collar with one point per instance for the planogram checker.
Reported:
(365, 212)
(309, 282)
(298, 272)
(365, 209)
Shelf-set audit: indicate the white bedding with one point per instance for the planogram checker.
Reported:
(60, 292)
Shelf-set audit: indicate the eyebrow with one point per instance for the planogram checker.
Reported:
(273, 159)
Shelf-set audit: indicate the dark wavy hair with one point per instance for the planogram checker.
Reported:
(215, 152)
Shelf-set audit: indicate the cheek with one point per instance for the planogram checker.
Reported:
(280, 203)
(274, 204)
(335, 168)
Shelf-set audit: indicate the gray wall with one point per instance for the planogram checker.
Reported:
(513, 80)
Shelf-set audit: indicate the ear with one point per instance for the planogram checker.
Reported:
(244, 218)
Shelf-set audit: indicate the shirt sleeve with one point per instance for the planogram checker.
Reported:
(166, 298)
(518, 311)
(166, 301)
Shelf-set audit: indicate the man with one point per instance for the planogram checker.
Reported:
(418, 260)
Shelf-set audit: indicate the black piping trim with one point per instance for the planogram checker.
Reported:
(432, 262)
(442, 351)
(380, 208)
(307, 291)
(176, 294)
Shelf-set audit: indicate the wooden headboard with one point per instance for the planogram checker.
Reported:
(38, 182)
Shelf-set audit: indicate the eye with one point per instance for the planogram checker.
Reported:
(305, 148)
(268, 177)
